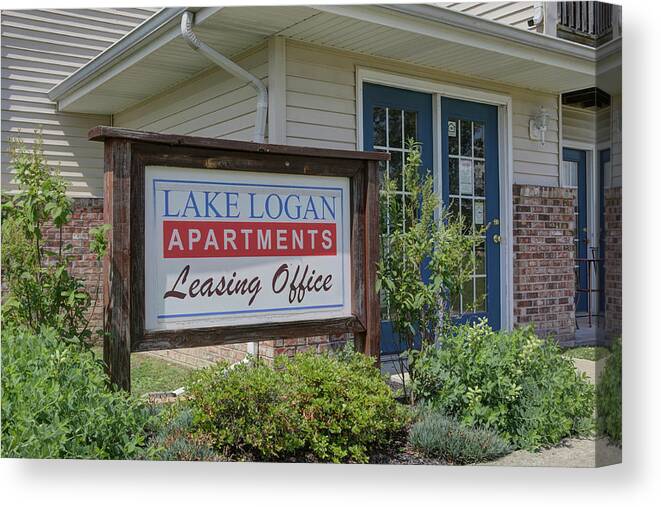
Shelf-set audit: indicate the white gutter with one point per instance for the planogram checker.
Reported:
(222, 61)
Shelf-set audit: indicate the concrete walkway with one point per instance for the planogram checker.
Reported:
(572, 452)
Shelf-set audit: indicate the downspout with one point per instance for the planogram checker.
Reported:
(225, 63)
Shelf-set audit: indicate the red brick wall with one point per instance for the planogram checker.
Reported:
(613, 261)
(544, 259)
(267, 350)
(203, 356)
(87, 213)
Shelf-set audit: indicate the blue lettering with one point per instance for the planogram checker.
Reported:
(297, 207)
(191, 204)
(208, 204)
(252, 206)
(166, 213)
(267, 205)
(232, 203)
(311, 209)
(326, 206)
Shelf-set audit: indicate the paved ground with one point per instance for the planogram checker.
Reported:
(572, 453)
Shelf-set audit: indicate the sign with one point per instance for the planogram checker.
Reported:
(465, 176)
(232, 247)
(479, 212)
(220, 242)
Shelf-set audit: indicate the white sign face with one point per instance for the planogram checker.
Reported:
(234, 247)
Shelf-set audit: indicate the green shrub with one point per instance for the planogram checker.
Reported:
(511, 382)
(439, 436)
(609, 396)
(347, 407)
(56, 402)
(309, 407)
(245, 410)
(40, 289)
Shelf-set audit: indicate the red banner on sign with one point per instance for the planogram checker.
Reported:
(192, 239)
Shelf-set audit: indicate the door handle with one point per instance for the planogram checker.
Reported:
(497, 238)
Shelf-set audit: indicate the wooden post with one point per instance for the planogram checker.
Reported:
(372, 229)
(117, 268)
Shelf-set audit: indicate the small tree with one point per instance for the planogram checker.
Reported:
(426, 256)
(40, 289)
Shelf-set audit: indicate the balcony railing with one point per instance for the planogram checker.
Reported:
(585, 22)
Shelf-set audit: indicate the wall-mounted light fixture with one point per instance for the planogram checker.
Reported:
(539, 125)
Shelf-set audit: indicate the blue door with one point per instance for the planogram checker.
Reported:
(575, 167)
(471, 188)
(390, 117)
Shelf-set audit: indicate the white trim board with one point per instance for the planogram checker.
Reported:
(505, 155)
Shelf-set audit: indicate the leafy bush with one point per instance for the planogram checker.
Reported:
(347, 406)
(309, 407)
(40, 290)
(511, 382)
(245, 410)
(609, 396)
(56, 402)
(439, 436)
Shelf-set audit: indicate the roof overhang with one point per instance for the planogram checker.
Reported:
(153, 57)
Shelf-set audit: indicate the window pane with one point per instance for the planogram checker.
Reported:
(410, 118)
(379, 121)
(480, 294)
(478, 139)
(454, 176)
(454, 207)
(395, 128)
(466, 138)
(570, 170)
(453, 137)
(467, 214)
(467, 297)
(479, 178)
(479, 258)
(396, 168)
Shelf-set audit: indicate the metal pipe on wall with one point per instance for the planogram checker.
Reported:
(225, 63)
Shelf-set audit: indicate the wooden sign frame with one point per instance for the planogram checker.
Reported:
(128, 152)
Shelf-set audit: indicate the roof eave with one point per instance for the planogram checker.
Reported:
(107, 58)
(495, 29)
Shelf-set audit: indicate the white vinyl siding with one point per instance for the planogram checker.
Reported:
(514, 14)
(39, 49)
(579, 124)
(212, 104)
(321, 107)
(603, 126)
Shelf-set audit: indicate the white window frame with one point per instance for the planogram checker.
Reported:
(505, 154)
